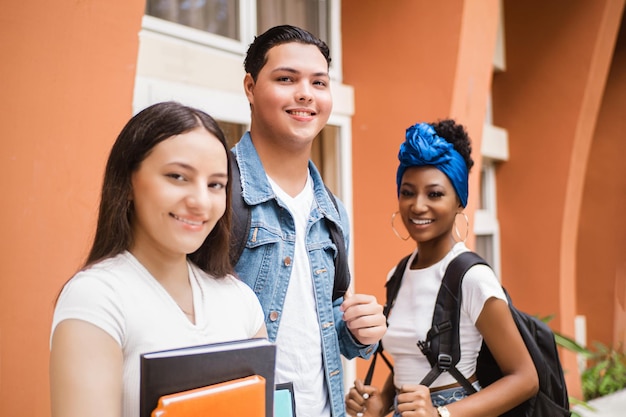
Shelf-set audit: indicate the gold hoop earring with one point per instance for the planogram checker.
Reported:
(393, 217)
(456, 229)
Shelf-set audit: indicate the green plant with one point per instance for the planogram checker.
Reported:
(606, 373)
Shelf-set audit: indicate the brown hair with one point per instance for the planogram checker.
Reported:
(134, 143)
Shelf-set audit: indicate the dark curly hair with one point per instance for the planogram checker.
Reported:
(456, 134)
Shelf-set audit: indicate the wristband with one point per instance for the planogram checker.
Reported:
(443, 412)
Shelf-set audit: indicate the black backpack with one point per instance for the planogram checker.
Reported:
(240, 229)
(442, 347)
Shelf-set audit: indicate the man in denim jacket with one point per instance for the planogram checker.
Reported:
(289, 257)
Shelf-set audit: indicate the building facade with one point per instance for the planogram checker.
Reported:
(541, 87)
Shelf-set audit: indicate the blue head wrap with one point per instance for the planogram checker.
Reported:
(423, 147)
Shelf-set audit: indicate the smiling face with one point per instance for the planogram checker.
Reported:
(178, 194)
(291, 99)
(428, 205)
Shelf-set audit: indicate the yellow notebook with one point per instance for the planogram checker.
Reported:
(235, 398)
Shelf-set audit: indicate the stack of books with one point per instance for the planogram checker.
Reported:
(222, 379)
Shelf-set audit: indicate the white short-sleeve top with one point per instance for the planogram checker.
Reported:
(122, 298)
(412, 315)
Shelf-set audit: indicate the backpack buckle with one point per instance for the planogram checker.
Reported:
(424, 346)
(444, 361)
(442, 327)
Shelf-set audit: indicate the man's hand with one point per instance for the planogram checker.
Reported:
(364, 317)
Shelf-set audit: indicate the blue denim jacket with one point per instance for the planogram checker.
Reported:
(265, 264)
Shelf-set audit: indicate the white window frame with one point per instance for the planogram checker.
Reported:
(486, 219)
(494, 149)
(246, 22)
(247, 31)
(344, 124)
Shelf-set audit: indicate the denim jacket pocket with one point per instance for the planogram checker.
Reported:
(262, 235)
(259, 269)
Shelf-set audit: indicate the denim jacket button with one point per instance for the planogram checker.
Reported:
(287, 261)
(274, 315)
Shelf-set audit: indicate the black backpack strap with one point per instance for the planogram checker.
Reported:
(392, 287)
(240, 217)
(342, 269)
(442, 345)
(370, 370)
(240, 228)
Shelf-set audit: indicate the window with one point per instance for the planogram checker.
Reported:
(232, 24)
(232, 131)
(325, 156)
(220, 17)
(312, 15)
(484, 247)
(486, 226)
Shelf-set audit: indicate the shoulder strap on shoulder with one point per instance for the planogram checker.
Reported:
(393, 284)
(342, 269)
(442, 345)
(240, 217)
(392, 287)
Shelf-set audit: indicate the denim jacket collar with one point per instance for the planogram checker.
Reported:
(256, 188)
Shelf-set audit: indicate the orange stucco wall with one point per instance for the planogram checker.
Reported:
(67, 78)
(407, 64)
(549, 99)
(601, 264)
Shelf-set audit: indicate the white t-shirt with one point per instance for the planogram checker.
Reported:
(299, 346)
(412, 315)
(122, 298)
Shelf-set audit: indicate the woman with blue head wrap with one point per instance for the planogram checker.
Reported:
(424, 147)
(432, 189)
